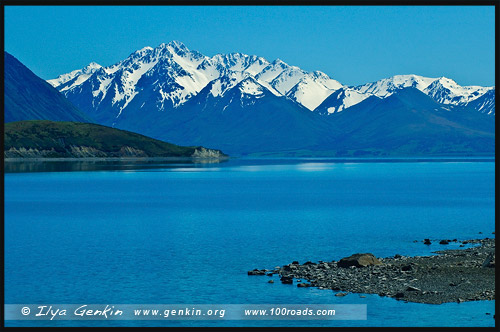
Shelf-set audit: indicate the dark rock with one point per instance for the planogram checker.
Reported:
(359, 260)
(286, 280)
(427, 241)
(341, 294)
(406, 268)
(271, 281)
(256, 272)
(444, 242)
(399, 295)
(295, 263)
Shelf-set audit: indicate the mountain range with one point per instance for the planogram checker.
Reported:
(245, 104)
(172, 74)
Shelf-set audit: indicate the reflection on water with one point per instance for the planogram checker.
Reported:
(104, 165)
(188, 164)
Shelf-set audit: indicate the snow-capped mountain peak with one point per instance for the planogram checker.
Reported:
(85, 72)
(312, 89)
(91, 67)
(442, 89)
(279, 62)
(385, 87)
(447, 91)
(174, 46)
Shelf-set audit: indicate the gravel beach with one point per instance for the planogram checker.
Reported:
(449, 276)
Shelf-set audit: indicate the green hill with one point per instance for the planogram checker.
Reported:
(49, 139)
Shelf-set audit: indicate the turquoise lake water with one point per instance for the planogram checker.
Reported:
(188, 233)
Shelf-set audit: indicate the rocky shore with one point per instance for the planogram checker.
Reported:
(450, 276)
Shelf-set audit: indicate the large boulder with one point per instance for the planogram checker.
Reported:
(359, 260)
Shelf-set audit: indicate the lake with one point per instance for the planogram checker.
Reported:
(176, 233)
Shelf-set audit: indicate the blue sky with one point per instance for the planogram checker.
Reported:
(353, 45)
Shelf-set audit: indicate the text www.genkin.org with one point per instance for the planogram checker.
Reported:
(185, 312)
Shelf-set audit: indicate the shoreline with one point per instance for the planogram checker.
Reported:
(112, 159)
(453, 275)
(332, 159)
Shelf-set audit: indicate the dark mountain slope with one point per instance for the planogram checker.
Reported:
(28, 97)
(237, 123)
(411, 123)
(485, 103)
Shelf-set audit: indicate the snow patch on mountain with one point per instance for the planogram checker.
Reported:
(226, 82)
(340, 100)
(129, 78)
(250, 87)
(312, 89)
(104, 83)
(287, 79)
